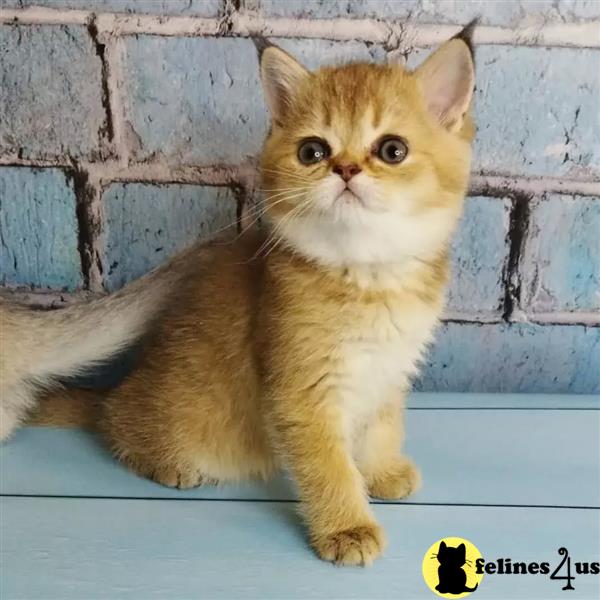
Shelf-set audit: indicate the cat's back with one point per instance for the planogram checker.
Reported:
(223, 278)
(211, 311)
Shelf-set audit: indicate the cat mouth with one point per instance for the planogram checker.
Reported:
(347, 195)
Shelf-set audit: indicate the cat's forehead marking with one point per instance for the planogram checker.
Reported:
(373, 123)
(355, 132)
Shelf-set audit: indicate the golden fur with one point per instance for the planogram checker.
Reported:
(294, 348)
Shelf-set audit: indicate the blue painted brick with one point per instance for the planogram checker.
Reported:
(491, 12)
(560, 267)
(514, 358)
(38, 229)
(536, 110)
(203, 8)
(51, 101)
(145, 224)
(480, 252)
(212, 109)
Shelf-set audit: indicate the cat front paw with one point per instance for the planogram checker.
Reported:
(356, 546)
(169, 475)
(398, 480)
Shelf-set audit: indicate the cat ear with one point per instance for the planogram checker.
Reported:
(462, 549)
(447, 79)
(442, 546)
(281, 76)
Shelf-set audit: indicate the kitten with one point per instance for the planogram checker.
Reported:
(294, 348)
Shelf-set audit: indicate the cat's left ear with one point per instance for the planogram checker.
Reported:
(281, 76)
(462, 549)
(447, 79)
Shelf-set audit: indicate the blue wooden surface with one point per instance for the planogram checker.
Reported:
(88, 548)
(75, 525)
(466, 457)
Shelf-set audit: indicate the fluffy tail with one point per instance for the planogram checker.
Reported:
(58, 343)
(39, 347)
(68, 408)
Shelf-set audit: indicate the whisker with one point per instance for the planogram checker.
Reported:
(274, 240)
(298, 189)
(273, 235)
(276, 189)
(287, 196)
(290, 174)
(260, 211)
(294, 214)
(236, 222)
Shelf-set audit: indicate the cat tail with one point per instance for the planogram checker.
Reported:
(466, 589)
(39, 347)
(68, 408)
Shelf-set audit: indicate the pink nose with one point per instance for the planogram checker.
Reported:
(348, 171)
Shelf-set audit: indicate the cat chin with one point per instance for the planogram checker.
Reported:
(365, 237)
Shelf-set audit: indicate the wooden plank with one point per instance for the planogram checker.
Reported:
(92, 548)
(496, 457)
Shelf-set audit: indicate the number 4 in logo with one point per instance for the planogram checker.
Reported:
(568, 577)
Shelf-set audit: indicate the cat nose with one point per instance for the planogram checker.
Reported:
(347, 171)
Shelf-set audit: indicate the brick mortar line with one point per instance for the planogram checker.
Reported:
(518, 232)
(455, 316)
(586, 318)
(496, 185)
(246, 174)
(46, 298)
(163, 173)
(159, 172)
(391, 33)
(89, 209)
(114, 80)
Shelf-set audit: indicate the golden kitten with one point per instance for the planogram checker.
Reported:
(294, 348)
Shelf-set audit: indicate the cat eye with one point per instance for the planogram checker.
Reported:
(313, 150)
(391, 150)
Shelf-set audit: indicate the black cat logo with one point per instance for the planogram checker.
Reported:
(449, 567)
(452, 577)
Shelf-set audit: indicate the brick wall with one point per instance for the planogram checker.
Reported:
(129, 128)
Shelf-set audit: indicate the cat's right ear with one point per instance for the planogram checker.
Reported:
(442, 546)
(281, 76)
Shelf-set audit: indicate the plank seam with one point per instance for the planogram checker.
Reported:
(295, 501)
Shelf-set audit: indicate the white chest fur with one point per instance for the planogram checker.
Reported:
(379, 353)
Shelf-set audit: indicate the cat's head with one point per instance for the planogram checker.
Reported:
(364, 163)
(450, 556)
